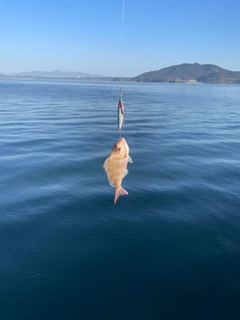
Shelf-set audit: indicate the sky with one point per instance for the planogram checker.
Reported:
(99, 37)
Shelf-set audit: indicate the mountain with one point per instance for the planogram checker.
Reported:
(186, 72)
(2, 76)
(56, 74)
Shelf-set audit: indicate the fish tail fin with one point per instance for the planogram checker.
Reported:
(119, 192)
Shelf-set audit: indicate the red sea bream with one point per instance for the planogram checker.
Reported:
(115, 166)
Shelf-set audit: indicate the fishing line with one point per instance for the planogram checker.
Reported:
(122, 38)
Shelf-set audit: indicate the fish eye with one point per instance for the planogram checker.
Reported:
(118, 149)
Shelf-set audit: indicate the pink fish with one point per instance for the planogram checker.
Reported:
(115, 166)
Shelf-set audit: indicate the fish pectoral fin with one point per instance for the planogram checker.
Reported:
(130, 159)
(126, 172)
(119, 192)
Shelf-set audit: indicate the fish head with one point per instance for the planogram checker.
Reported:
(121, 148)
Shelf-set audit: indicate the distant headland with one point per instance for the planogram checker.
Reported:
(182, 73)
(190, 73)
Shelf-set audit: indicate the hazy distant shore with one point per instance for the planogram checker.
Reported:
(183, 73)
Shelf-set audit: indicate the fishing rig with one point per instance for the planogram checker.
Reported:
(120, 113)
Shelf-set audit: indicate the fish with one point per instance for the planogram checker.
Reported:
(120, 114)
(115, 166)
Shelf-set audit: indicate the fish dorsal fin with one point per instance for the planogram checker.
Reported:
(129, 159)
(105, 165)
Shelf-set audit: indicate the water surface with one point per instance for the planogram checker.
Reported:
(169, 250)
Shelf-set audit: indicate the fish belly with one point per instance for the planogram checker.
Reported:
(117, 170)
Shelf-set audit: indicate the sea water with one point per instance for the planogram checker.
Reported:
(170, 249)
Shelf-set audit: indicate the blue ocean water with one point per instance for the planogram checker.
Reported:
(169, 250)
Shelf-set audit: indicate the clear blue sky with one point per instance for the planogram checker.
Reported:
(77, 35)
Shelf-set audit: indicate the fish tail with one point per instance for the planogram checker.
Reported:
(119, 192)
